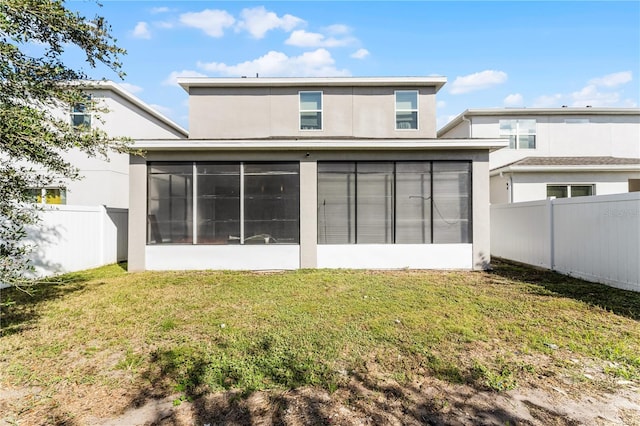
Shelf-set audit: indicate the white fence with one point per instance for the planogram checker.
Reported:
(73, 238)
(594, 238)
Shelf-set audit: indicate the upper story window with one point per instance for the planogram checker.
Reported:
(406, 109)
(310, 110)
(521, 133)
(80, 114)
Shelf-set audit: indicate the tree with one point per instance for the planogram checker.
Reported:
(33, 87)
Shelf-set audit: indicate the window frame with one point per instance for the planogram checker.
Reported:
(84, 112)
(301, 111)
(193, 209)
(515, 132)
(44, 196)
(568, 187)
(435, 211)
(412, 110)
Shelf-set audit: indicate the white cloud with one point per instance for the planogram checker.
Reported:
(156, 10)
(513, 100)
(612, 80)
(360, 54)
(441, 104)
(212, 22)
(302, 38)
(131, 88)
(597, 93)
(477, 81)
(337, 29)
(142, 30)
(258, 21)
(172, 80)
(164, 24)
(318, 63)
(549, 101)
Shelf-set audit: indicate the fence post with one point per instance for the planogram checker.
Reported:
(552, 244)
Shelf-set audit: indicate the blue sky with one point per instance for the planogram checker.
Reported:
(494, 54)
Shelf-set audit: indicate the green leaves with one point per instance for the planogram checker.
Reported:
(36, 95)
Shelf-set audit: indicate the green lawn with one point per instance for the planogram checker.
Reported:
(196, 332)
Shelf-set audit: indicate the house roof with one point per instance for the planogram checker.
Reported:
(564, 111)
(569, 164)
(116, 88)
(432, 81)
(336, 144)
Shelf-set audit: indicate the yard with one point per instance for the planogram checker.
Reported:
(510, 346)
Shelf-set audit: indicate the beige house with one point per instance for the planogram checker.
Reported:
(556, 152)
(287, 173)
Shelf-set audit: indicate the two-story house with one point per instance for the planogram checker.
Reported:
(556, 152)
(287, 173)
(104, 181)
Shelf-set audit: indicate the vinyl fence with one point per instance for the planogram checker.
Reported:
(594, 238)
(73, 238)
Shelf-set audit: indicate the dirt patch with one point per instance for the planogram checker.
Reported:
(359, 402)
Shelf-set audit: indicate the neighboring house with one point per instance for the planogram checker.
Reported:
(287, 173)
(91, 229)
(106, 182)
(556, 152)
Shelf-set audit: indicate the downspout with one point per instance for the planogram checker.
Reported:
(510, 188)
(468, 120)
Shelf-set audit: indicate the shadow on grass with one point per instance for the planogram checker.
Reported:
(19, 307)
(359, 399)
(620, 302)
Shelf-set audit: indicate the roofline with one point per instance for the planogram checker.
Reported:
(107, 84)
(489, 112)
(566, 169)
(431, 81)
(320, 145)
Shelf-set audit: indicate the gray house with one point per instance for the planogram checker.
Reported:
(287, 173)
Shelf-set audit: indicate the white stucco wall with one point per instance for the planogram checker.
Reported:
(533, 186)
(396, 256)
(105, 181)
(603, 136)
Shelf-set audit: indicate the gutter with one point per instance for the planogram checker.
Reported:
(567, 169)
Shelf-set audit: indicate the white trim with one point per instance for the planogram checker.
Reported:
(321, 144)
(396, 256)
(300, 110)
(222, 257)
(114, 87)
(576, 111)
(434, 81)
(417, 110)
(567, 169)
(568, 186)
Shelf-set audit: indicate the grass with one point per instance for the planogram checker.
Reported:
(196, 332)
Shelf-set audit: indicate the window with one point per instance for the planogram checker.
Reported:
(170, 203)
(234, 203)
(310, 110)
(569, 191)
(80, 115)
(49, 195)
(521, 133)
(404, 202)
(406, 110)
